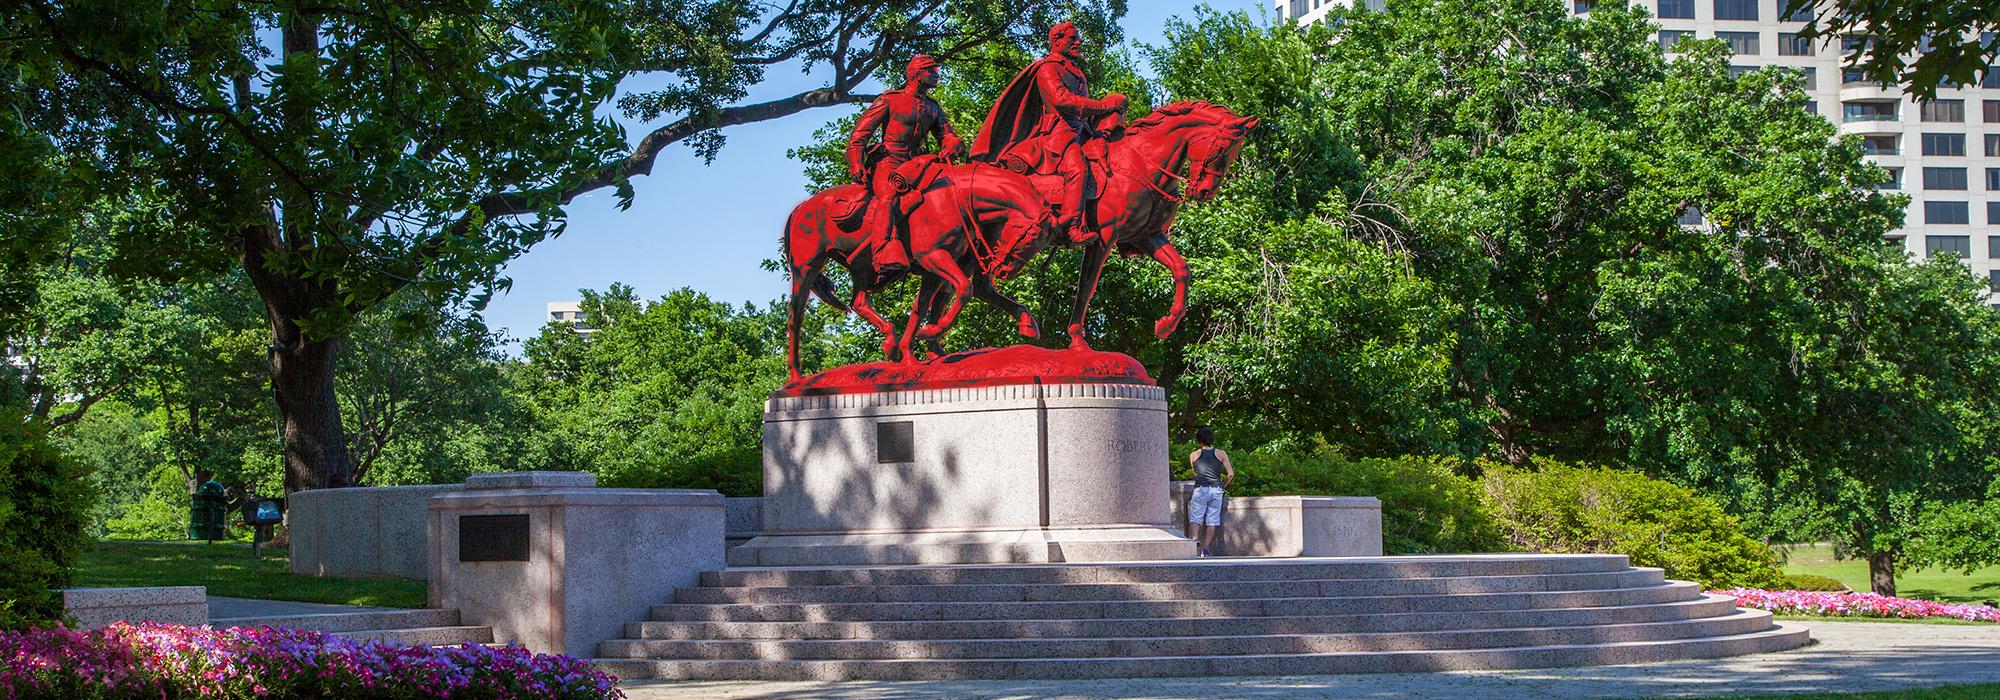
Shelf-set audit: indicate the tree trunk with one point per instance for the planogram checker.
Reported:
(1882, 573)
(315, 442)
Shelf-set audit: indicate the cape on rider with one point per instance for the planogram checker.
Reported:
(1046, 120)
(905, 117)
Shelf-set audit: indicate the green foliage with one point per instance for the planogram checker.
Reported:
(1813, 582)
(119, 446)
(1554, 507)
(45, 508)
(1922, 45)
(668, 393)
(1426, 506)
(160, 513)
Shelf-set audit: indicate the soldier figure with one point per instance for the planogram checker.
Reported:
(1048, 110)
(906, 117)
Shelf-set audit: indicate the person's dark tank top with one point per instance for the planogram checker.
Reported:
(1207, 468)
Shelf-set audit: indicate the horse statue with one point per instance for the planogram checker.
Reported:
(975, 225)
(979, 223)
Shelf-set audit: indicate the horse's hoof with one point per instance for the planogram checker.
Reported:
(1030, 329)
(1165, 326)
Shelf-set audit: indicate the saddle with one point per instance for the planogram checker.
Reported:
(914, 178)
(1040, 159)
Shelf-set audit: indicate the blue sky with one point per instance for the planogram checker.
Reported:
(708, 226)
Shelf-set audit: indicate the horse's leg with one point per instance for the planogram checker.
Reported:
(865, 281)
(1163, 251)
(802, 276)
(1094, 256)
(983, 290)
(933, 304)
(919, 311)
(940, 263)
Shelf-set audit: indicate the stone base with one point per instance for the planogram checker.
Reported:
(97, 607)
(990, 474)
(1025, 546)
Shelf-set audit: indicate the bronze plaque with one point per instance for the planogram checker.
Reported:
(493, 537)
(895, 442)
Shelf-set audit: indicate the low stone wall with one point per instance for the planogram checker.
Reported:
(743, 519)
(1292, 526)
(362, 531)
(97, 607)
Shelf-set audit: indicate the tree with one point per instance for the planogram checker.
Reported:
(667, 393)
(339, 153)
(1953, 41)
(422, 387)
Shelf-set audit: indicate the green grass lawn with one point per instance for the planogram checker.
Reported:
(1944, 586)
(1976, 691)
(227, 570)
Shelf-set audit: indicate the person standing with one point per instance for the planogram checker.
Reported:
(1212, 474)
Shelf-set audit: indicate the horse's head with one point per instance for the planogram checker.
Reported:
(1211, 137)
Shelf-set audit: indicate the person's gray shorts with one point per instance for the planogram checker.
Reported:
(1206, 506)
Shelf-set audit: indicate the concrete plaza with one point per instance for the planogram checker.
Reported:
(1847, 657)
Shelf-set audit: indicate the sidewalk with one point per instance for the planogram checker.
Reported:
(1846, 657)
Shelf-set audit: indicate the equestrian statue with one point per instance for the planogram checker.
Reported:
(1051, 167)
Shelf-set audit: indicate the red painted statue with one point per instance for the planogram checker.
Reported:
(1052, 166)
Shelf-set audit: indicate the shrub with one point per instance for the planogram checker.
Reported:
(160, 514)
(1554, 507)
(154, 660)
(1815, 582)
(45, 511)
(1426, 507)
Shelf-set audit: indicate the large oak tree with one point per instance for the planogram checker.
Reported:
(339, 152)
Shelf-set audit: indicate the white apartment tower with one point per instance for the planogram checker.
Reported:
(569, 313)
(1944, 153)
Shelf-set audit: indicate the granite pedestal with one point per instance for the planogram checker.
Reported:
(1011, 473)
(550, 561)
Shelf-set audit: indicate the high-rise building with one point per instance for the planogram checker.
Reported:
(569, 313)
(1944, 153)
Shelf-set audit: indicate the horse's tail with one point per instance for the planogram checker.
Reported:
(821, 286)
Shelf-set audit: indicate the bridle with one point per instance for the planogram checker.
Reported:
(1200, 170)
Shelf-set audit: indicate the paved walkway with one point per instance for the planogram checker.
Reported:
(1848, 656)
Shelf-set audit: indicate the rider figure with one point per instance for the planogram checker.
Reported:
(1049, 105)
(906, 117)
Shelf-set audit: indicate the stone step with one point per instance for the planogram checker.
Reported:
(1205, 590)
(1248, 607)
(428, 636)
(1771, 638)
(1186, 571)
(1741, 622)
(1703, 607)
(375, 619)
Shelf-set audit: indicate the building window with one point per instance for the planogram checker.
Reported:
(1990, 112)
(1582, 6)
(1992, 182)
(1993, 215)
(1880, 145)
(1812, 78)
(1853, 77)
(1960, 246)
(1948, 111)
(1669, 37)
(1947, 213)
(1676, 9)
(1993, 280)
(1740, 71)
(1740, 42)
(1299, 8)
(1804, 13)
(1895, 181)
(1992, 242)
(1736, 10)
(1812, 107)
(1992, 145)
(1868, 111)
(1944, 178)
(1992, 79)
(1791, 44)
(1690, 216)
(1944, 144)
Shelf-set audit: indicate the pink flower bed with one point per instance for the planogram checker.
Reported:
(1855, 605)
(153, 660)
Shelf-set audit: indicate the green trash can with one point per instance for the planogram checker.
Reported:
(208, 514)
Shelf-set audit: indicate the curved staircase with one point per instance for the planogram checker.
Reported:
(1184, 618)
